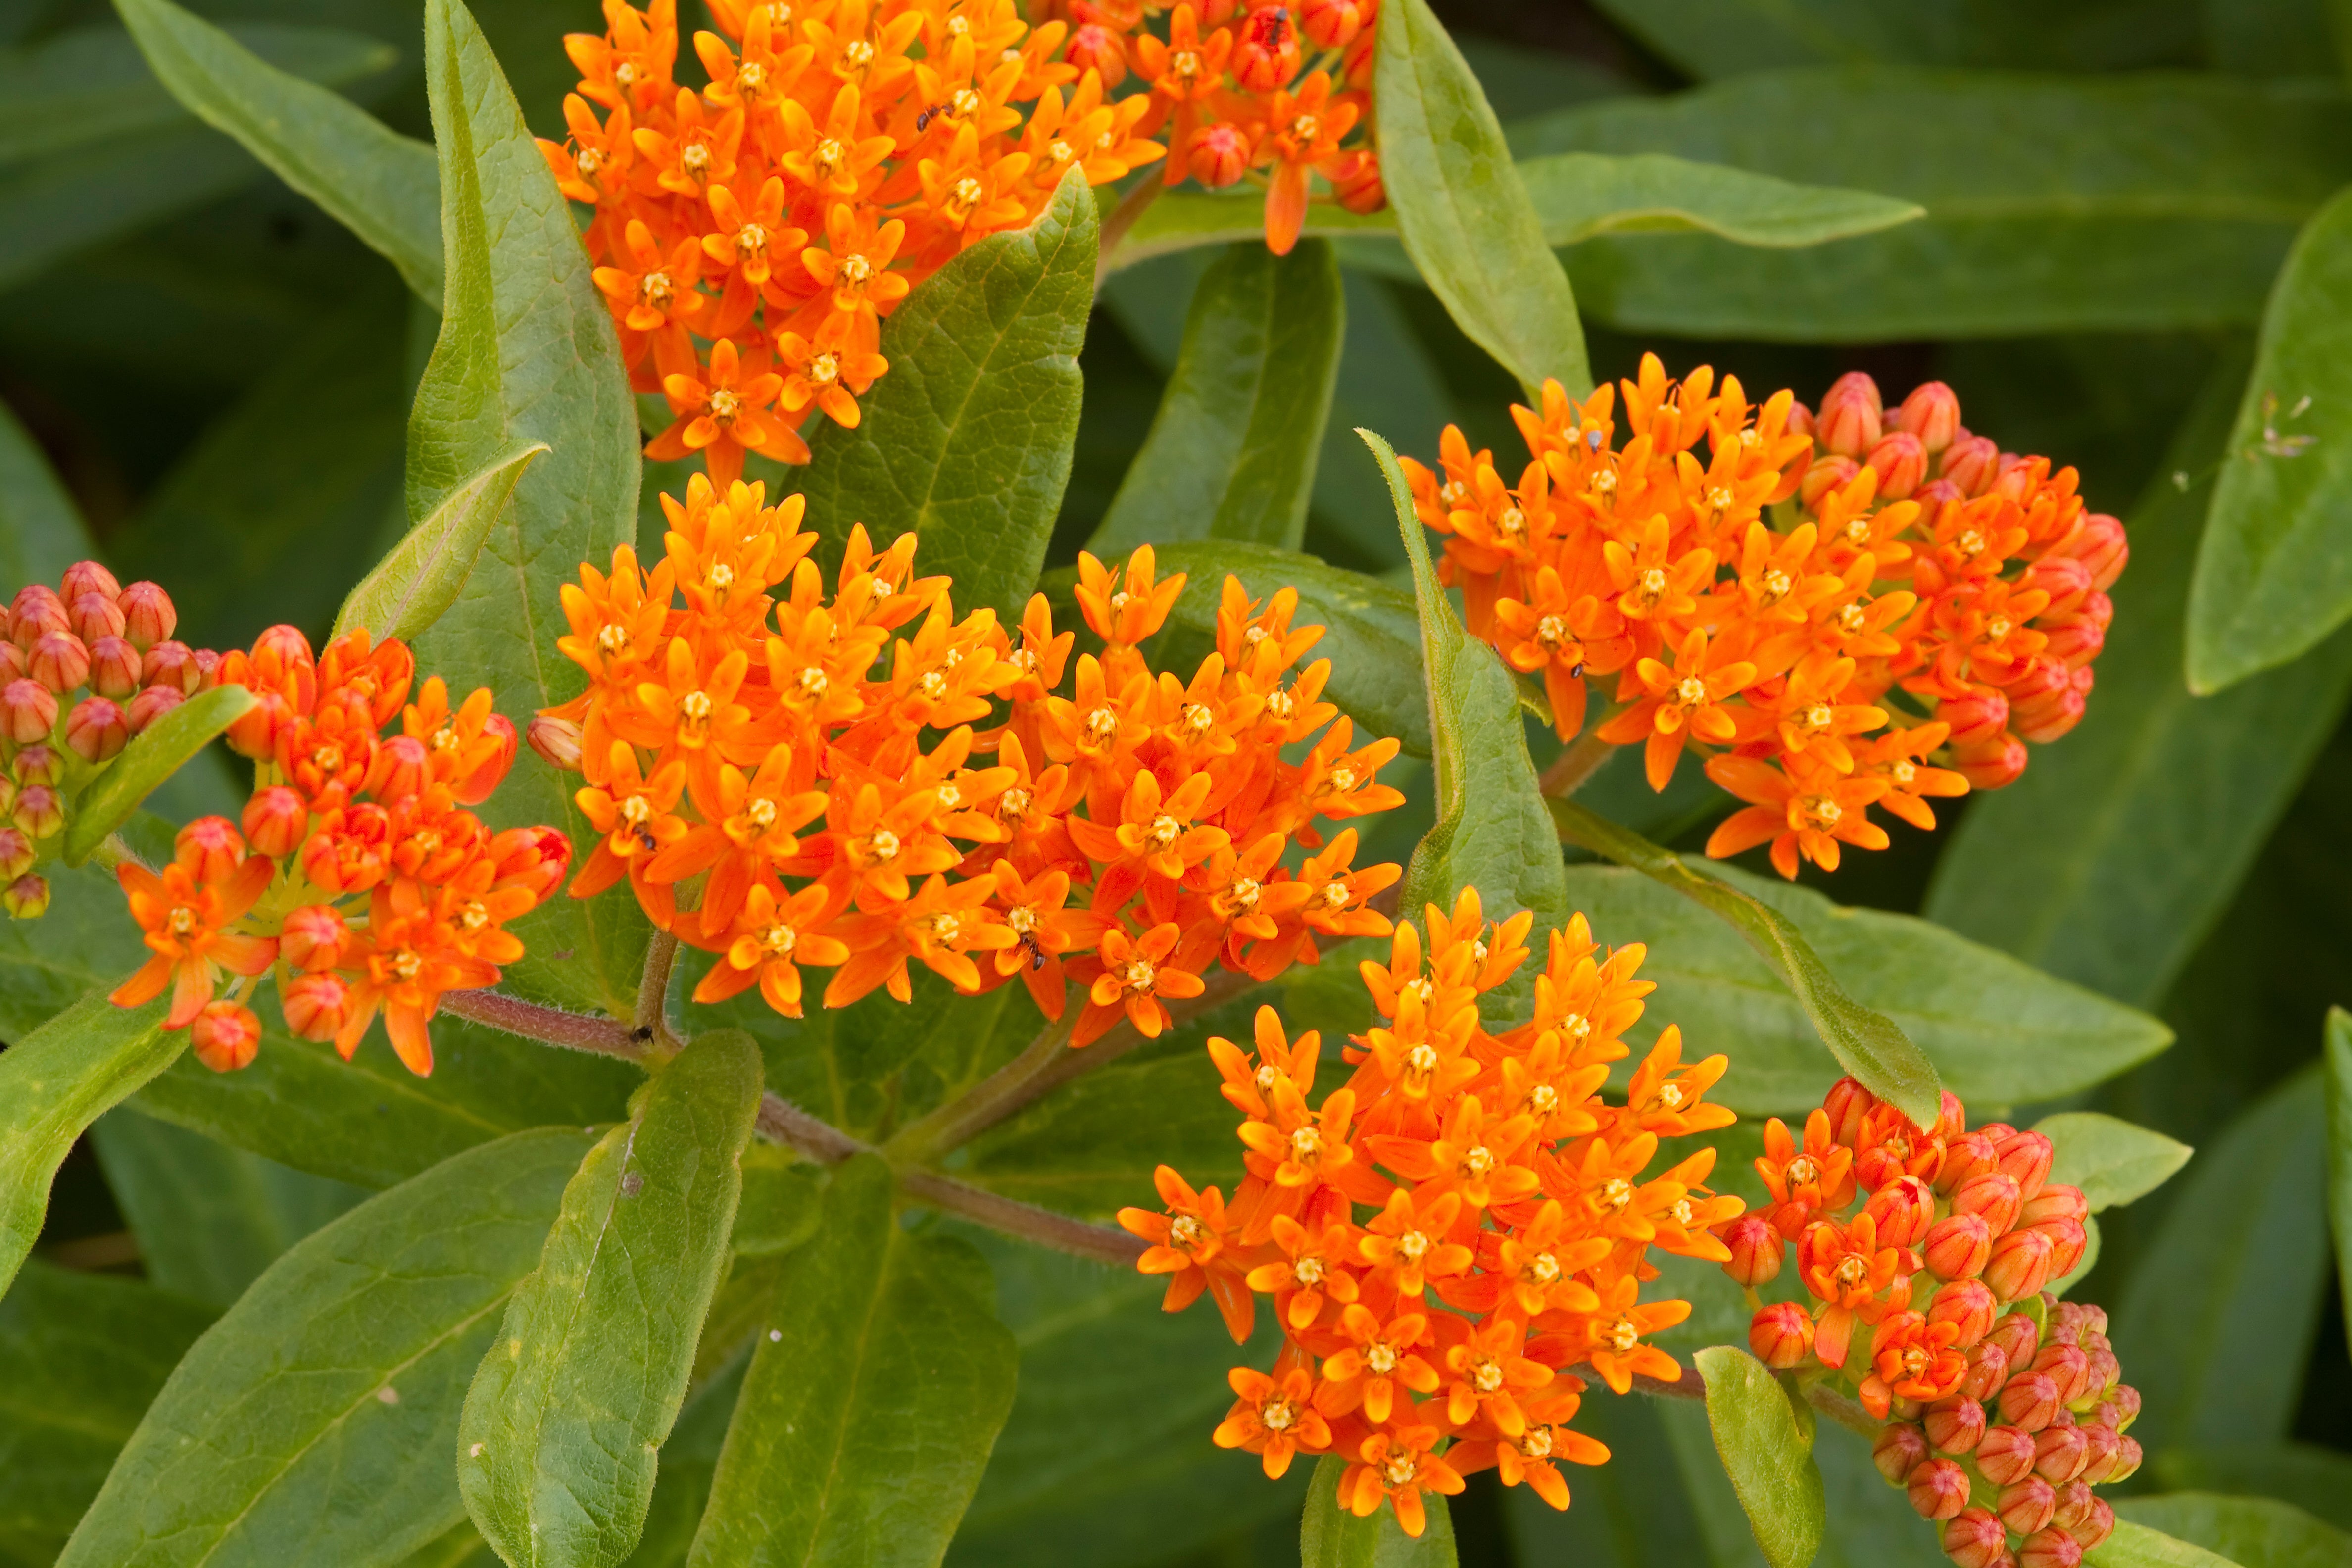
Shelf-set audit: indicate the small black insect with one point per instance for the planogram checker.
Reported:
(1036, 953)
(646, 841)
(923, 120)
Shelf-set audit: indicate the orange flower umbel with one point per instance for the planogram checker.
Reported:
(1451, 1231)
(1922, 1256)
(1860, 607)
(806, 774)
(357, 878)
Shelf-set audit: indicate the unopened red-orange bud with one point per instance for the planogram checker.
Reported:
(1977, 718)
(148, 615)
(2026, 1506)
(1099, 49)
(2019, 1264)
(1932, 413)
(34, 613)
(2066, 579)
(40, 810)
(1993, 1197)
(557, 742)
(172, 664)
(151, 705)
(2027, 1156)
(1266, 49)
(2101, 1445)
(2029, 1401)
(210, 848)
(2127, 1458)
(1970, 462)
(1969, 1154)
(2096, 1523)
(402, 767)
(2100, 543)
(2077, 637)
(316, 1006)
(1955, 1425)
(483, 782)
(39, 765)
(17, 852)
(12, 661)
(114, 667)
(1992, 765)
(225, 1036)
(26, 899)
(1937, 1489)
(1900, 1449)
(1901, 464)
(1780, 1334)
(1973, 1537)
(1987, 1370)
(2049, 1548)
(1755, 1249)
(2005, 1455)
(1968, 1306)
(2124, 1399)
(2068, 1238)
(276, 821)
(1356, 180)
(531, 857)
(94, 616)
(59, 661)
(314, 938)
(2104, 1369)
(1332, 23)
(2061, 1450)
(2018, 1338)
(1220, 154)
(97, 730)
(1902, 1211)
(1830, 473)
(1850, 422)
(1848, 1105)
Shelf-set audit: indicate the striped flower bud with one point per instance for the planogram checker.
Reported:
(1220, 154)
(557, 742)
(2104, 1369)
(114, 667)
(16, 852)
(1332, 23)
(210, 848)
(2005, 1455)
(1266, 49)
(225, 1036)
(59, 661)
(12, 662)
(316, 1006)
(2068, 1238)
(2072, 1505)
(1969, 462)
(2061, 1450)
(97, 730)
(2124, 1401)
(1968, 1306)
(34, 613)
(1357, 182)
(2065, 579)
(89, 577)
(151, 705)
(1988, 1370)
(1850, 422)
(2029, 1400)
(2128, 1458)
(2069, 1367)
(2025, 1157)
(39, 811)
(1969, 1154)
(2049, 1548)
(1848, 1106)
(402, 767)
(2019, 1264)
(531, 857)
(147, 616)
(2099, 543)
(1902, 1210)
(1974, 1538)
(1937, 1489)
(2078, 636)
(1932, 413)
(1977, 718)
(1781, 1335)
(276, 821)
(479, 784)
(314, 938)
(1098, 48)
(1955, 1425)
(1901, 463)
(2018, 1338)
(1993, 1197)
(39, 765)
(2101, 1447)
(2026, 1506)
(1956, 1245)
(27, 899)
(1830, 473)
(1900, 1449)
(1991, 764)
(94, 616)
(1755, 1249)
(172, 664)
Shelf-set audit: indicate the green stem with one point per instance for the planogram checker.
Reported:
(1122, 218)
(1842, 1409)
(653, 996)
(548, 1026)
(1579, 763)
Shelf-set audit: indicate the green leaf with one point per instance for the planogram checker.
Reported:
(967, 441)
(154, 754)
(1581, 194)
(2261, 1532)
(1492, 833)
(2111, 1161)
(2134, 1545)
(527, 353)
(308, 1425)
(1232, 452)
(378, 183)
(208, 1218)
(41, 529)
(2130, 202)
(56, 1081)
(1867, 1043)
(2275, 570)
(1993, 1030)
(2317, 1480)
(412, 588)
(1331, 1537)
(1190, 218)
(2218, 1315)
(1765, 1451)
(1462, 210)
(563, 1426)
(2113, 855)
(80, 1357)
(2337, 1056)
(868, 1412)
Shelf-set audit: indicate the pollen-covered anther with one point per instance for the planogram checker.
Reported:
(1690, 692)
(1616, 1193)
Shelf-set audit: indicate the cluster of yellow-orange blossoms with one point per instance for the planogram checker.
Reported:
(2004, 1408)
(1766, 601)
(750, 235)
(1244, 99)
(837, 807)
(1497, 1180)
(358, 878)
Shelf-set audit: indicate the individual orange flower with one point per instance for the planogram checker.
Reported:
(184, 914)
(1396, 1466)
(726, 417)
(1534, 1455)
(767, 941)
(1189, 1244)
(1129, 976)
(1274, 1419)
(1808, 811)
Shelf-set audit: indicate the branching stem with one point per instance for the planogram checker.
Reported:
(1122, 218)
(1579, 763)
(653, 995)
(548, 1026)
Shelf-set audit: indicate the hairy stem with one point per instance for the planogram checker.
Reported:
(1845, 1411)
(1122, 218)
(1579, 763)
(112, 852)
(1690, 1385)
(653, 994)
(548, 1026)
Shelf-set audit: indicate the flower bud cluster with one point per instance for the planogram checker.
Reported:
(2004, 1407)
(83, 667)
(1448, 1234)
(1764, 602)
(355, 876)
(806, 771)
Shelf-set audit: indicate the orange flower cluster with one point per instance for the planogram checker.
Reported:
(2005, 1407)
(1233, 100)
(717, 735)
(358, 876)
(1498, 1181)
(840, 151)
(1766, 601)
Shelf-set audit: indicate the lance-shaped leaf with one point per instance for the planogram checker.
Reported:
(2337, 1056)
(41, 529)
(1462, 210)
(1232, 452)
(559, 1442)
(2111, 1161)
(154, 754)
(411, 587)
(1867, 1043)
(1330, 1536)
(1767, 1451)
(2138, 1545)
(56, 1081)
(1492, 833)
(2275, 570)
(967, 441)
(527, 353)
(871, 1404)
(312, 1422)
(81, 1355)
(376, 182)
(2260, 1532)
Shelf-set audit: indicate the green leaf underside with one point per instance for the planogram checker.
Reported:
(1865, 1042)
(2218, 1316)
(1995, 1032)
(2274, 568)
(1331, 1537)
(2337, 1056)
(2138, 1545)
(1492, 833)
(1232, 454)
(560, 1438)
(870, 1405)
(966, 440)
(526, 355)
(1767, 1452)
(421, 577)
(2112, 857)
(154, 754)
(1462, 209)
(378, 183)
(311, 1424)
(2111, 1161)
(54, 1082)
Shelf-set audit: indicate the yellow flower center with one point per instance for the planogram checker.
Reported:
(1021, 919)
(1381, 1357)
(1336, 895)
(407, 965)
(857, 269)
(947, 926)
(883, 846)
(829, 154)
(1776, 586)
(812, 681)
(181, 921)
(1537, 1443)
(934, 685)
(1720, 498)
(1101, 725)
(1820, 811)
(752, 79)
(1184, 1232)
(1307, 1145)
(1915, 1362)
(1623, 1335)
(1853, 1271)
(825, 369)
(1477, 1162)
(1308, 1271)
(1304, 127)
(694, 157)
(1244, 894)
(474, 917)
(1164, 831)
(1682, 1211)
(1013, 804)
(1670, 1095)
(1543, 1268)
(1198, 717)
(1139, 975)
(1550, 632)
(1616, 1193)
(1804, 1171)
(1423, 1059)
(1413, 1244)
(777, 940)
(1400, 1468)
(1486, 1374)
(724, 405)
(654, 288)
(1184, 63)
(1904, 770)
(1970, 541)
(964, 104)
(857, 53)
(1278, 1415)
(969, 193)
(1690, 692)
(1059, 151)
(1543, 1098)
